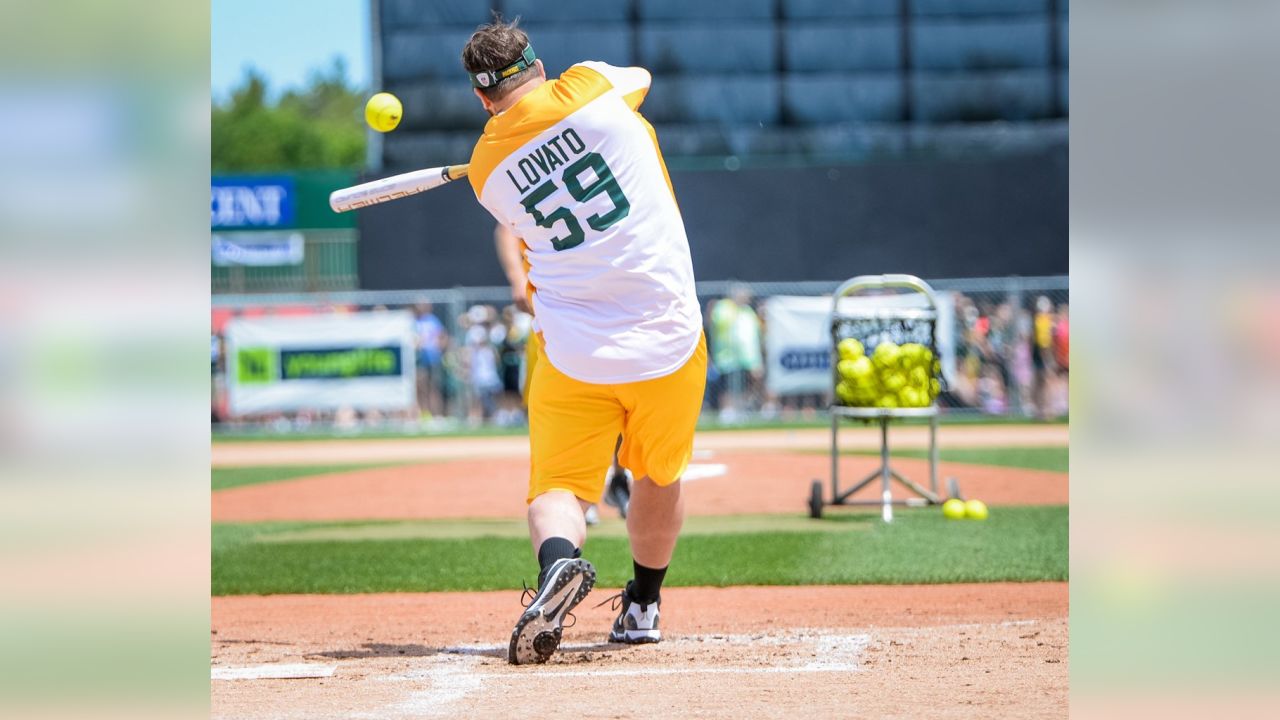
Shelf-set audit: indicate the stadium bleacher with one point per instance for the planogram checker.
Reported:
(743, 77)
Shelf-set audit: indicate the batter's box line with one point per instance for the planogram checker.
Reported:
(453, 675)
(541, 673)
(841, 653)
(650, 672)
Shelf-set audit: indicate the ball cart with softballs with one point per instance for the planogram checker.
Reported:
(884, 366)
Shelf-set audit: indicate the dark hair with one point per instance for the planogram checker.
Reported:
(493, 47)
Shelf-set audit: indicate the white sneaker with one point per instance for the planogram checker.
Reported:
(592, 516)
(537, 633)
(637, 622)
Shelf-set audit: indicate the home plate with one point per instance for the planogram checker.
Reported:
(702, 471)
(297, 671)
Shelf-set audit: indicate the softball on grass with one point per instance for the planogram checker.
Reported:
(953, 509)
(975, 510)
(383, 112)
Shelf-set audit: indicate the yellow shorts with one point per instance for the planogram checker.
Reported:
(532, 348)
(574, 426)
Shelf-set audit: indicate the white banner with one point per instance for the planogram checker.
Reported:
(798, 338)
(258, 249)
(321, 362)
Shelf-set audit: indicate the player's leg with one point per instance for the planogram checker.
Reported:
(556, 514)
(657, 514)
(572, 427)
(662, 415)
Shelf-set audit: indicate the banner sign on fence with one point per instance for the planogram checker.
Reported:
(321, 362)
(798, 338)
(251, 202)
(258, 249)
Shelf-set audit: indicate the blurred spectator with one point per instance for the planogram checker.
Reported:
(483, 381)
(430, 336)
(1021, 368)
(1001, 336)
(747, 337)
(769, 407)
(1061, 394)
(991, 397)
(1046, 366)
(452, 383)
(711, 398)
(723, 354)
(518, 326)
(735, 352)
(1062, 339)
(345, 419)
(1008, 357)
(218, 385)
(968, 352)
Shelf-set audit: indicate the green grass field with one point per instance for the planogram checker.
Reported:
(1056, 459)
(223, 478)
(1016, 544)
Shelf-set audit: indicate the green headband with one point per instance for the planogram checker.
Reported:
(486, 80)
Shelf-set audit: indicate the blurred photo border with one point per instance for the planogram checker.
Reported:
(104, 436)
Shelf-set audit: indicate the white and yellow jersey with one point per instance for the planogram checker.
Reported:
(574, 170)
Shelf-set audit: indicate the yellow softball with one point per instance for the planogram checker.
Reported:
(383, 112)
(975, 510)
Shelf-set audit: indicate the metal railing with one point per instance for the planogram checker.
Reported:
(329, 263)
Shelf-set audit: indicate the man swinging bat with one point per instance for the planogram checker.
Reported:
(573, 170)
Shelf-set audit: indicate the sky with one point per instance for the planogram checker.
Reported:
(286, 40)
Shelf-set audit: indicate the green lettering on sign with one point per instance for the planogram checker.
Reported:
(253, 366)
(339, 363)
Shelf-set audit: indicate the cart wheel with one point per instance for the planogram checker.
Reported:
(953, 488)
(815, 500)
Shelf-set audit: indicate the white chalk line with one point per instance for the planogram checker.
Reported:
(703, 471)
(295, 671)
(449, 683)
(453, 676)
(829, 642)
(813, 667)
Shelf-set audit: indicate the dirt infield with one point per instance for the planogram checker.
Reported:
(990, 650)
(993, 650)
(748, 482)
(854, 437)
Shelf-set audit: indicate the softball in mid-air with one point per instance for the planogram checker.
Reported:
(383, 112)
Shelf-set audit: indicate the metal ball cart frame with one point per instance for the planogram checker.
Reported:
(885, 472)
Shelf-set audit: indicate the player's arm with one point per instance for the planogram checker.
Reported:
(509, 249)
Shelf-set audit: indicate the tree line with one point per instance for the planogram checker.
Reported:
(318, 126)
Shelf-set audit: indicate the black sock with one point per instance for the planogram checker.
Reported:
(648, 583)
(551, 550)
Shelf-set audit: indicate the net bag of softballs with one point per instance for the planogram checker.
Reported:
(885, 358)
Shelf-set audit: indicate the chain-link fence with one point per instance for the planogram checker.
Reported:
(1010, 340)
